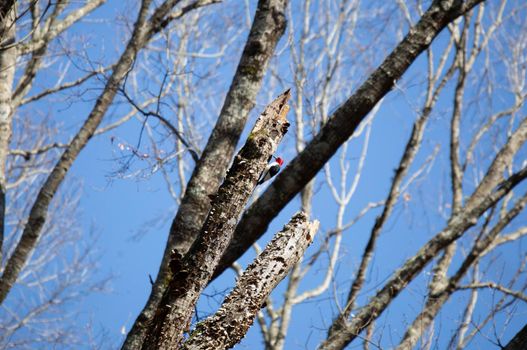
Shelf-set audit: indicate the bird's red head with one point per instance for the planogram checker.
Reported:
(279, 160)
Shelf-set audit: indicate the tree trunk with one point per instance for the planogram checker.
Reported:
(519, 342)
(192, 273)
(268, 27)
(7, 73)
(229, 325)
(340, 127)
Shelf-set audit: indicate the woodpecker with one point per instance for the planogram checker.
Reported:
(271, 170)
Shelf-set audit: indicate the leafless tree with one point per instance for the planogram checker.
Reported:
(47, 261)
(456, 70)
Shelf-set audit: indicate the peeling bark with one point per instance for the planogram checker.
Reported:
(340, 127)
(229, 325)
(268, 27)
(192, 273)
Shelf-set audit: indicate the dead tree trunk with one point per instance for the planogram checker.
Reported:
(268, 27)
(193, 272)
(228, 326)
(340, 127)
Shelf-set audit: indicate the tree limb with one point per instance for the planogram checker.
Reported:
(49, 33)
(519, 341)
(7, 74)
(192, 273)
(439, 295)
(38, 212)
(267, 28)
(64, 86)
(486, 195)
(339, 128)
(232, 321)
(494, 285)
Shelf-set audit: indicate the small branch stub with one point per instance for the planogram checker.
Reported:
(232, 321)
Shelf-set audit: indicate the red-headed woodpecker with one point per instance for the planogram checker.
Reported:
(271, 170)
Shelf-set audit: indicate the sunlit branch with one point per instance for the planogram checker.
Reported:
(496, 286)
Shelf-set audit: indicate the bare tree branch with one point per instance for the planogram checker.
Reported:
(50, 31)
(494, 285)
(451, 204)
(339, 128)
(63, 87)
(192, 273)
(230, 323)
(143, 30)
(166, 123)
(27, 154)
(441, 293)
(486, 195)
(268, 27)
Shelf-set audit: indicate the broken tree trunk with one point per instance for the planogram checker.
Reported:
(267, 28)
(192, 273)
(229, 325)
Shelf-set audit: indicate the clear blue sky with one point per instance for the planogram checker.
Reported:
(118, 208)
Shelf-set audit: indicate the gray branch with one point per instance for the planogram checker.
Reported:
(229, 325)
(267, 28)
(192, 273)
(489, 192)
(38, 214)
(340, 127)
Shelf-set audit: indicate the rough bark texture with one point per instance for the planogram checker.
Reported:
(192, 273)
(229, 325)
(267, 28)
(519, 342)
(340, 127)
(5, 8)
(7, 73)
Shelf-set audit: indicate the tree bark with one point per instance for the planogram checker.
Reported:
(192, 273)
(267, 29)
(340, 127)
(519, 342)
(229, 325)
(7, 73)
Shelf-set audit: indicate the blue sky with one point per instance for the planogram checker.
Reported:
(115, 209)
